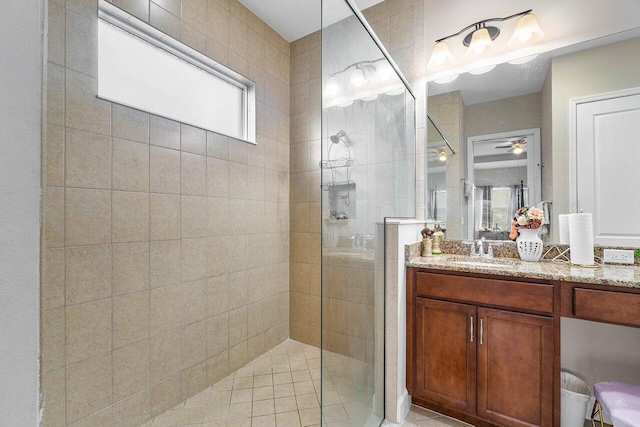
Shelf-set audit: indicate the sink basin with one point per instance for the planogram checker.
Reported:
(484, 264)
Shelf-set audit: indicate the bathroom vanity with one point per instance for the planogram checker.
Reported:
(483, 338)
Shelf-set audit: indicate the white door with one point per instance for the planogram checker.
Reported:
(607, 167)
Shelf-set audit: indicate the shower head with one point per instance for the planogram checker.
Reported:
(337, 137)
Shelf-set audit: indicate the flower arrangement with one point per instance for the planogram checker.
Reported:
(528, 218)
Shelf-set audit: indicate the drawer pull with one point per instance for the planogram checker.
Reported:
(481, 331)
(471, 327)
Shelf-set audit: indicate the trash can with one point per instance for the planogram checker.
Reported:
(574, 399)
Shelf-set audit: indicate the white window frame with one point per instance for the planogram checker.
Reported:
(126, 22)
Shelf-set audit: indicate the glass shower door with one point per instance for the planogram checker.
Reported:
(368, 174)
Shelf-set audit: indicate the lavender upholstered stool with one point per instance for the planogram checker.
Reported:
(620, 401)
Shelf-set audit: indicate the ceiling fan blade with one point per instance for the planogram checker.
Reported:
(502, 146)
(511, 150)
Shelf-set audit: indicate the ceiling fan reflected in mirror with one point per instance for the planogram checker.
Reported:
(440, 153)
(516, 146)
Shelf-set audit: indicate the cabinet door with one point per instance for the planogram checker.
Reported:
(446, 354)
(515, 368)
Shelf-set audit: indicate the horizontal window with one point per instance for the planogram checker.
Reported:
(145, 69)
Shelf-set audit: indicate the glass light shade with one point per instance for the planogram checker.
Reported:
(517, 149)
(441, 57)
(357, 78)
(442, 156)
(384, 72)
(527, 31)
(481, 44)
(332, 88)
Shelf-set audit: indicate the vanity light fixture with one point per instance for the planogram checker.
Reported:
(480, 40)
(358, 76)
(332, 87)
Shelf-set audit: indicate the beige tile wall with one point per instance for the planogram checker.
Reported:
(305, 176)
(166, 261)
(400, 26)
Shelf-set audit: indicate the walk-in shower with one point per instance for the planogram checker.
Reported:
(368, 175)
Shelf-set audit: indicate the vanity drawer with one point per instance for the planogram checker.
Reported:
(535, 297)
(607, 306)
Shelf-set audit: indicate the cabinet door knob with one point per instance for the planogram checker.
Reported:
(481, 331)
(471, 328)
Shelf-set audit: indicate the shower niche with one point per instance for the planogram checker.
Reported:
(341, 189)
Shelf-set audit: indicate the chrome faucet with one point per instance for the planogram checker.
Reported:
(477, 250)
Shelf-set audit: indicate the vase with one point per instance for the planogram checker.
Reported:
(427, 247)
(436, 245)
(529, 244)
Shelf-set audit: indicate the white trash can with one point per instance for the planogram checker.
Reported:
(574, 399)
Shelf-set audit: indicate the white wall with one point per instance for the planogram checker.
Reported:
(589, 72)
(20, 136)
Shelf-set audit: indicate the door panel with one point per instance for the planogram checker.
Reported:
(607, 153)
(515, 368)
(446, 354)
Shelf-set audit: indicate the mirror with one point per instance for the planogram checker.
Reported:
(505, 171)
(511, 129)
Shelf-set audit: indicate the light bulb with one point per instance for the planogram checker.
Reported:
(518, 150)
(357, 78)
(481, 44)
(441, 56)
(332, 87)
(527, 31)
(442, 156)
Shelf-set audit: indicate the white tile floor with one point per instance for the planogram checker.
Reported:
(282, 388)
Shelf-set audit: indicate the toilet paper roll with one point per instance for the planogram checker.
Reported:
(581, 238)
(564, 229)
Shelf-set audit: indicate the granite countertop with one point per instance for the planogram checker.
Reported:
(611, 275)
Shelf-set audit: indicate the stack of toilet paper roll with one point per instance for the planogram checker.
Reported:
(576, 230)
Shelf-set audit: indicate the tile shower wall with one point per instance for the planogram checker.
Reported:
(400, 26)
(305, 175)
(166, 248)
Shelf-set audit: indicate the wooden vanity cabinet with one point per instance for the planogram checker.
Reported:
(515, 368)
(483, 364)
(446, 354)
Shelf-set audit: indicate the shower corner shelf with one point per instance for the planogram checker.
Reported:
(343, 162)
(329, 186)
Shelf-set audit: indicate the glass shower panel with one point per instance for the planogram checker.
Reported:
(368, 174)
